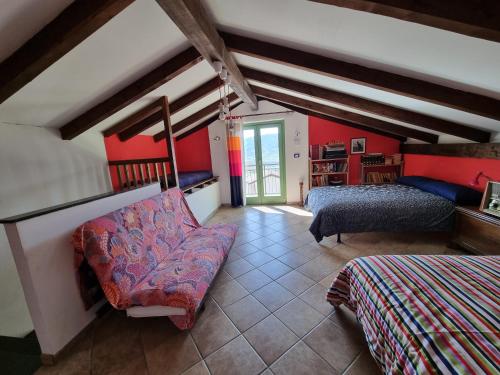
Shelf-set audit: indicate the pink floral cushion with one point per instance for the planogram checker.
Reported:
(154, 252)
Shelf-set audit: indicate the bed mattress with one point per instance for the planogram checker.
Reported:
(377, 208)
(191, 178)
(426, 314)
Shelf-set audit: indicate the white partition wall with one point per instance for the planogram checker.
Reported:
(44, 259)
(204, 202)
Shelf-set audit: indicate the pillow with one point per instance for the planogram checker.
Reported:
(456, 193)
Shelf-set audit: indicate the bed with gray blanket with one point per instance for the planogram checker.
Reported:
(377, 208)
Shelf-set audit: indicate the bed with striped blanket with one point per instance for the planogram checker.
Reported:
(426, 314)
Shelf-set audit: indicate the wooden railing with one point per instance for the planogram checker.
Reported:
(135, 172)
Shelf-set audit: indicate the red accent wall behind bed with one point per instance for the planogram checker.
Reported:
(323, 131)
(452, 169)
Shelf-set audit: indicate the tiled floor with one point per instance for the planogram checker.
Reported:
(266, 313)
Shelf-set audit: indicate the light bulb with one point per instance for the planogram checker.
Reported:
(217, 66)
(223, 74)
(222, 116)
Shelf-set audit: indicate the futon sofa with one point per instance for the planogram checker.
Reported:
(153, 258)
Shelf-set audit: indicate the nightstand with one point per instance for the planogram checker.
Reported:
(476, 231)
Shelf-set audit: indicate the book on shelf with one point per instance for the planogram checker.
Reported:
(328, 151)
(324, 180)
(332, 167)
(381, 177)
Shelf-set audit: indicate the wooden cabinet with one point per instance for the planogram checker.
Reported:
(476, 231)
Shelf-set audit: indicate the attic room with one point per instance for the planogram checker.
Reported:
(249, 187)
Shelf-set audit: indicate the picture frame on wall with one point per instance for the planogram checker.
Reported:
(358, 145)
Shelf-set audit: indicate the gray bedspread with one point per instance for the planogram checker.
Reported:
(377, 208)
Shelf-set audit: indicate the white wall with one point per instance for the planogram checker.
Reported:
(296, 168)
(44, 257)
(204, 202)
(39, 170)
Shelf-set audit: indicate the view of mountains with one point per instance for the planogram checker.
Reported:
(270, 148)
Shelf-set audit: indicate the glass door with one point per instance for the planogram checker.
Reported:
(264, 155)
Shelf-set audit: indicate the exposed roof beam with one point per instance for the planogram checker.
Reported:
(73, 25)
(468, 150)
(147, 83)
(366, 105)
(368, 122)
(309, 112)
(479, 19)
(181, 103)
(379, 79)
(204, 123)
(202, 113)
(138, 116)
(196, 24)
(142, 125)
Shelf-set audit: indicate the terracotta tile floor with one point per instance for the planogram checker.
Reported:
(266, 313)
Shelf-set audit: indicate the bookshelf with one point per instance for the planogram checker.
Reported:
(329, 172)
(374, 174)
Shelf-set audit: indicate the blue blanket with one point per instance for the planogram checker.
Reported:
(377, 208)
(191, 178)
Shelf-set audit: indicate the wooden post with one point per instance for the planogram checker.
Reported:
(169, 140)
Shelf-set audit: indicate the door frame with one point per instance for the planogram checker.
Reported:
(261, 199)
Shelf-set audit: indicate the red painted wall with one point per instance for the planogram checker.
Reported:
(452, 169)
(323, 131)
(193, 152)
(138, 147)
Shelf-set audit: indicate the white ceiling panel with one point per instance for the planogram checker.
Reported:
(368, 39)
(128, 46)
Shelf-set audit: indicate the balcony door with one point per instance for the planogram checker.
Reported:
(264, 154)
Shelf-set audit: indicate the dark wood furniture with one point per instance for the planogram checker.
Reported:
(476, 231)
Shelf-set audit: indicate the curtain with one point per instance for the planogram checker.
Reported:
(235, 165)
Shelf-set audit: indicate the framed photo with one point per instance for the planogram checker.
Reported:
(358, 145)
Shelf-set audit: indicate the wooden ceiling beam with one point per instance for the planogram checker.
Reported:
(368, 122)
(196, 24)
(366, 105)
(379, 79)
(467, 150)
(309, 112)
(202, 113)
(176, 106)
(73, 25)
(204, 123)
(479, 19)
(141, 126)
(133, 119)
(147, 83)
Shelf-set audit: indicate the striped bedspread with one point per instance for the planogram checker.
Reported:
(426, 314)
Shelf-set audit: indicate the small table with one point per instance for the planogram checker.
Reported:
(476, 231)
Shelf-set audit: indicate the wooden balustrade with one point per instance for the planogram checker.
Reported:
(139, 172)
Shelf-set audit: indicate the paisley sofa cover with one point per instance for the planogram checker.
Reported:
(154, 253)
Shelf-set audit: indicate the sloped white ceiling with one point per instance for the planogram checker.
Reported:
(371, 94)
(128, 46)
(368, 39)
(142, 37)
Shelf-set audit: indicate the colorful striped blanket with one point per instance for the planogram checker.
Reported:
(426, 314)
